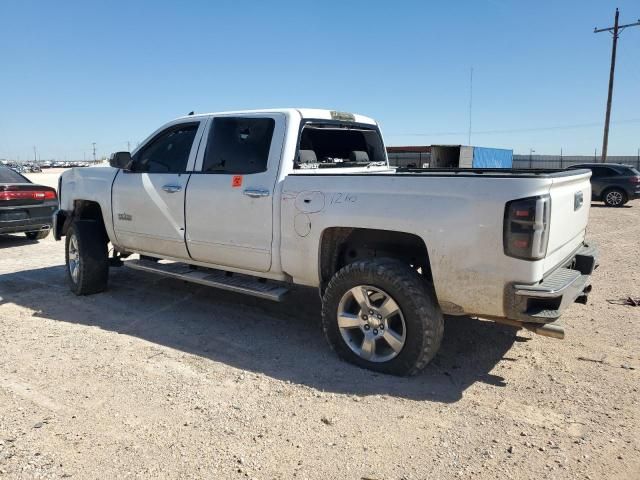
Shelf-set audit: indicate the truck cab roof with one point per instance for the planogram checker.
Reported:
(304, 113)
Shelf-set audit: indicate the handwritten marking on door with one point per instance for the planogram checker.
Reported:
(343, 198)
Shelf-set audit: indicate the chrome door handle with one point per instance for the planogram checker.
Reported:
(256, 192)
(172, 188)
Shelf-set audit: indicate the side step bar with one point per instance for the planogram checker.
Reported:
(213, 278)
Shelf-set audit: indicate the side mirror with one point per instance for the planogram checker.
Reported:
(121, 160)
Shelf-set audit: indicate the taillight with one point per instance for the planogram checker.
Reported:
(526, 227)
(27, 195)
(634, 179)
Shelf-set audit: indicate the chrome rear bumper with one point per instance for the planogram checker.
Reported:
(545, 301)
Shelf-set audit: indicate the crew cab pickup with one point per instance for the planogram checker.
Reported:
(255, 201)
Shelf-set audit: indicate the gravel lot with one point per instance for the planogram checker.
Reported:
(159, 379)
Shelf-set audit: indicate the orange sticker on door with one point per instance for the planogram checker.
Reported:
(236, 181)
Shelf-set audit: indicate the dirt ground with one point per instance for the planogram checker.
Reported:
(159, 379)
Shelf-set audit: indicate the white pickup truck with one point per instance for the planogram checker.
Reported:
(256, 201)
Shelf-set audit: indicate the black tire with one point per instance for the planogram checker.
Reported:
(92, 255)
(40, 235)
(614, 197)
(418, 304)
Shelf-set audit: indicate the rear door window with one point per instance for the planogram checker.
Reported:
(609, 172)
(238, 145)
(599, 171)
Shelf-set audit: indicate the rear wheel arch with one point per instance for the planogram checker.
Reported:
(341, 246)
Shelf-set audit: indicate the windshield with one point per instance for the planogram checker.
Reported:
(331, 145)
(9, 176)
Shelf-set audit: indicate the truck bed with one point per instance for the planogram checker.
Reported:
(452, 172)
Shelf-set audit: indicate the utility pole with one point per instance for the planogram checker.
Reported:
(561, 165)
(94, 152)
(470, 104)
(128, 146)
(531, 150)
(35, 154)
(615, 30)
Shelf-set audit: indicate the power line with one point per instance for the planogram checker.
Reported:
(615, 30)
(517, 130)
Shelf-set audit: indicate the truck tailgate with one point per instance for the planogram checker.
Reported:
(570, 204)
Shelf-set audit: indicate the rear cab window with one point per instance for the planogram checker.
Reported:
(334, 144)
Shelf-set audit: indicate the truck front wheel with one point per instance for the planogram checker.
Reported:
(87, 258)
(381, 315)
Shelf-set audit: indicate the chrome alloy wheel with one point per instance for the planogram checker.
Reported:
(371, 323)
(74, 259)
(614, 198)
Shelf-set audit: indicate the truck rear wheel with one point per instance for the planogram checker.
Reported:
(87, 258)
(381, 315)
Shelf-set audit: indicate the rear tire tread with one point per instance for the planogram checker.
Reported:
(423, 304)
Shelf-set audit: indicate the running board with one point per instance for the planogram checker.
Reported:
(232, 282)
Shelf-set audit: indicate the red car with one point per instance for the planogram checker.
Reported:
(25, 207)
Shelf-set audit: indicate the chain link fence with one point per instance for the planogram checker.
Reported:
(423, 160)
(564, 161)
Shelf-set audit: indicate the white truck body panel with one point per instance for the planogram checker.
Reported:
(228, 227)
(460, 225)
(210, 222)
(568, 225)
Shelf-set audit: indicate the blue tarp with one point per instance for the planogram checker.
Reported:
(492, 157)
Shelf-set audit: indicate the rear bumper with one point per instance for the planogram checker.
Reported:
(545, 301)
(31, 225)
(28, 218)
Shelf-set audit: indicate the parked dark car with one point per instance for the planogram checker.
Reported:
(612, 183)
(25, 207)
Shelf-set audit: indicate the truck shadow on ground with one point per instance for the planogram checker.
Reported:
(602, 205)
(281, 340)
(8, 241)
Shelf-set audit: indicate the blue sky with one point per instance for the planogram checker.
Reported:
(77, 72)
